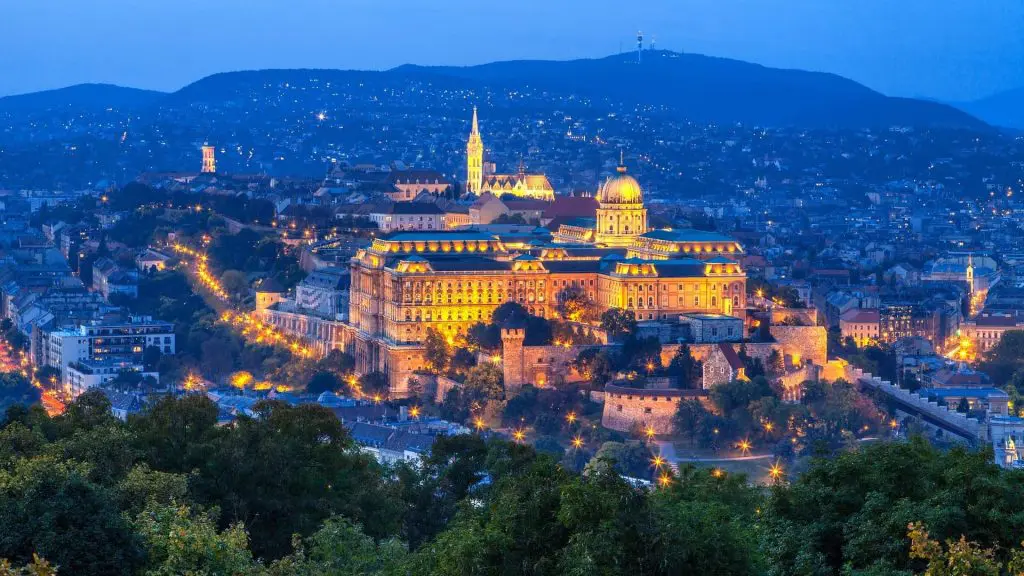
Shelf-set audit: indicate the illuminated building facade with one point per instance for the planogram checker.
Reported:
(408, 282)
(209, 159)
(481, 176)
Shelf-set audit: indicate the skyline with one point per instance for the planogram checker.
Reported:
(956, 53)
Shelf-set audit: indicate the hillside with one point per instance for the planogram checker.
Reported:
(691, 86)
(85, 97)
(709, 89)
(1001, 109)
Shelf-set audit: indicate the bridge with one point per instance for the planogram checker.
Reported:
(971, 430)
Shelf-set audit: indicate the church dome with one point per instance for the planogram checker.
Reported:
(620, 189)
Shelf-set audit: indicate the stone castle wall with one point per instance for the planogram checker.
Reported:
(626, 408)
(801, 343)
(537, 365)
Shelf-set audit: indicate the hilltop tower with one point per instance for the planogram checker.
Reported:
(970, 273)
(209, 159)
(474, 159)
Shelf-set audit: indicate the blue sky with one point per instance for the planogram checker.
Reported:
(949, 49)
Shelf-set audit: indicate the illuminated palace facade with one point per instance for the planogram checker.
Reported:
(408, 282)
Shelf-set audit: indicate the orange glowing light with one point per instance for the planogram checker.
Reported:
(744, 446)
(649, 432)
(414, 412)
(664, 480)
(657, 462)
(570, 417)
(775, 471)
(577, 442)
(519, 435)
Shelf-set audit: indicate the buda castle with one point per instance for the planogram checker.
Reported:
(408, 282)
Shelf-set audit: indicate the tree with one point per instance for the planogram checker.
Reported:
(151, 357)
(485, 382)
(595, 365)
(850, 513)
(640, 354)
(689, 416)
(960, 558)
(1006, 357)
(574, 305)
(340, 548)
(49, 507)
(775, 365)
(235, 283)
(685, 369)
(374, 383)
(484, 336)
(324, 381)
(286, 470)
(618, 322)
(179, 541)
(628, 458)
(436, 352)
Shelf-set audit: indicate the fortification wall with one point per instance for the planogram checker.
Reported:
(625, 408)
(537, 365)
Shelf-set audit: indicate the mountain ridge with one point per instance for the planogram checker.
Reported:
(690, 86)
(1003, 108)
(87, 95)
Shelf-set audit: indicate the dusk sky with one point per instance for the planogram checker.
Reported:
(948, 49)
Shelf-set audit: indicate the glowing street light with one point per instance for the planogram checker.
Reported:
(664, 480)
(744, 446)
(414, 412)
(570, 417)
(518, 435)
(577, 442)
(775, 471)
(657, 462)
(478, 423)
(718, 473)
(768, 426)
(649, 432)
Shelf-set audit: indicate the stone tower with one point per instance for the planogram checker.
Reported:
(512, 357)
(209, 159)
(474, 159)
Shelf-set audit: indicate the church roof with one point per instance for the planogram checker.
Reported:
(572, 207)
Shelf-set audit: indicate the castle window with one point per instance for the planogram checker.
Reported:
(647, 409)
(618, 408)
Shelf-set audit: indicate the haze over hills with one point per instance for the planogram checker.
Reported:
(1001, 109)
(690, 86)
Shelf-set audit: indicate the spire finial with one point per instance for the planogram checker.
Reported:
(475, 125)
(622, 162)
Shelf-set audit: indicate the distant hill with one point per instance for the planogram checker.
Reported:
(688, 86)
(705, 88)
(80, 97)
(1001, 109)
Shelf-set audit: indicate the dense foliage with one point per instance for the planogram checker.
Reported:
(286, 493)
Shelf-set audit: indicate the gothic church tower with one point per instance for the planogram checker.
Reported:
(474, 159)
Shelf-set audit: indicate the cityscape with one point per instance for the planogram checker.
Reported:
(651, 312)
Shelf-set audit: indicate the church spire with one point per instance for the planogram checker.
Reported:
(474, 158)
(621, 169)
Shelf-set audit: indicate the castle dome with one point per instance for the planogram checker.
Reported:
(620, 189)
